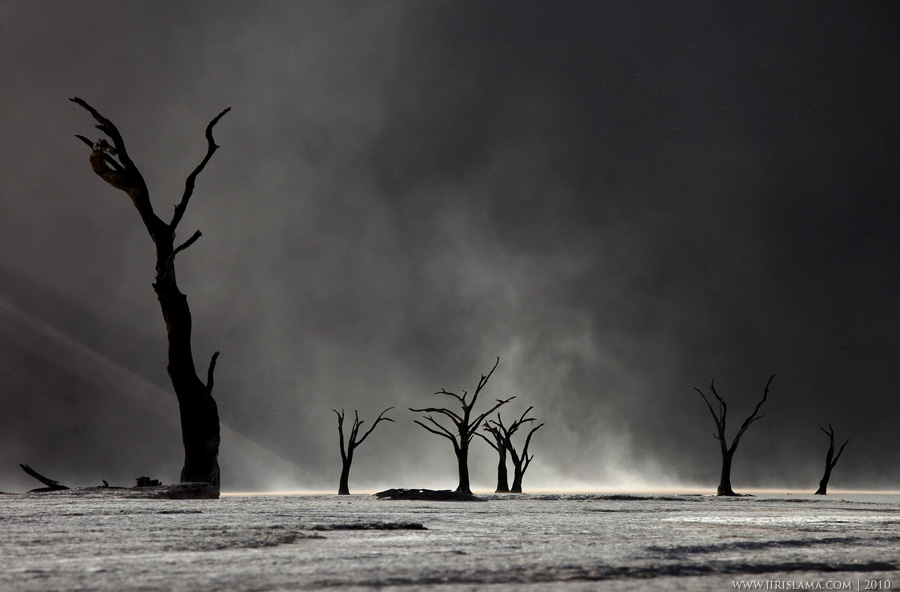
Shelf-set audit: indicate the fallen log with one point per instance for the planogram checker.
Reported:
(50, 483)
(428, 495)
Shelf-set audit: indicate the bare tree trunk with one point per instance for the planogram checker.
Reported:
(823, 482)
(520, 463)
(498, 443)
(523, 460)
(830, 460)
(352, 442)
(344, 484)
(199, 413)
(502, 474)
(517, 480)
(725, 478)
(462, 461)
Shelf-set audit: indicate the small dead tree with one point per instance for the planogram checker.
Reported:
(521, 463)
(199, 413)
(830, 460)
(728, 451)
(502, 443)
(352, 443)
(465, 426)
(498, 443)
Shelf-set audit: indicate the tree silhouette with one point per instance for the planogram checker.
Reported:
(498, 443)
(728, 451)
(465, 426)
(502, 443)
(198, 410)
(521, 463)
(352, 443)
(830, 460)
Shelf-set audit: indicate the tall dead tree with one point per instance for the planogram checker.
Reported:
(352, 443)
(199, 413)
(830, 460)
(728, 451)
(465, 426)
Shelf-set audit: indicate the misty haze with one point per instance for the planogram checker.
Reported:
(620, 204)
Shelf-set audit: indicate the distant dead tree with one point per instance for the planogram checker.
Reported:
(199, 413)
(502, 442)
(465, 426)
(352, 443)
(728, 451)
(498, 443)
(830, 460)
(521, 463)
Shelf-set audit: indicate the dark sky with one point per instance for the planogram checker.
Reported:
(621, 200)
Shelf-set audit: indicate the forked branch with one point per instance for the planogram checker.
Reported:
(720, 420)
(831, 459)
(752, 417)
(211, 148)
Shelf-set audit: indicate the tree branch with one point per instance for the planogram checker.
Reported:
(493, 445)
(834, 462)
(480, 418)
(462, 399)
(209, 373)
(108, 128)
(830, 459)
(378, 419)
(483, 381)
(723, 406)
(528, 439)
(211, 148)
(106, 157)
(711, 411)
(125, 177)
(453, 416)
(752, 417)
(444, 433)
(340, 417)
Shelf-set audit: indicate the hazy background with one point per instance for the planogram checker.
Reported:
(621, 200)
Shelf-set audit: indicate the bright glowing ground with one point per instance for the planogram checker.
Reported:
(569, 541)
(649, 491)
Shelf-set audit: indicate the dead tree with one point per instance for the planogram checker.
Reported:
(728, 451)
(465, 426)
(521, 463)
(199, 413)
(502, 443)
(830, 460)
(498, 443)
(352, 443)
